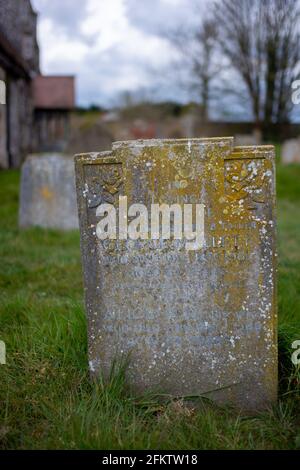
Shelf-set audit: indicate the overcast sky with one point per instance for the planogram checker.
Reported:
(110, 45)
(113, 46)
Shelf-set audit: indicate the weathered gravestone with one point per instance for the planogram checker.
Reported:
(48, 195)
(191, 322)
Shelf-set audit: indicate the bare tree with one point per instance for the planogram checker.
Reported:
(261, 40)
(197, 58)
(203, 65)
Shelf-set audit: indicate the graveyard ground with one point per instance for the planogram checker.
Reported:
(46, 398)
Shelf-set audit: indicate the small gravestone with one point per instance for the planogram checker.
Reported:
(48, 196)
(249, 139)
(190, 319)
(290, 152)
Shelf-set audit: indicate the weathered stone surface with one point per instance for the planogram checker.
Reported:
(48, 196)
(192, 322)
(290, 152)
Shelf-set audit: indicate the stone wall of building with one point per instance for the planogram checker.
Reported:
(19, 62)
(18, 22)
(20, 121)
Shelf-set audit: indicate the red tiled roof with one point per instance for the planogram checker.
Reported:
(54, 92)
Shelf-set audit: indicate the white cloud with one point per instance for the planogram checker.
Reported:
(57, 46)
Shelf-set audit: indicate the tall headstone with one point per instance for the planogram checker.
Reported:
(48, 195)
(190, 322)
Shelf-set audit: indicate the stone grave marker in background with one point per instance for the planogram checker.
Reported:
(199, 322)
(290, 152)
(48, 196)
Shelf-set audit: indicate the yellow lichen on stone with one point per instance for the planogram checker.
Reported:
(46, 193)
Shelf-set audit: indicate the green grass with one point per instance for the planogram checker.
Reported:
(46, 398)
